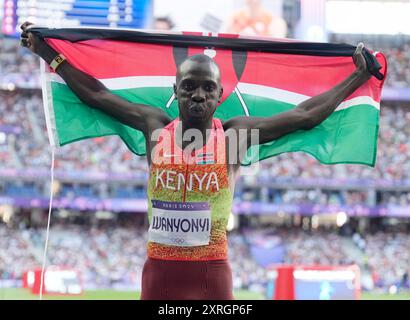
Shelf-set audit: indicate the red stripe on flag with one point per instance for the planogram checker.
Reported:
(308, 75)
(228, 35)
(192, 33)
(110, 59)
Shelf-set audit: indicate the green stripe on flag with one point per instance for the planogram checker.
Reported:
(347, 136)
(76, 121)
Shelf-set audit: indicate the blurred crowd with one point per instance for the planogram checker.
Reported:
(307, 196)
(27, 144)
(18, 67)
(398, 60)
(113, 257)
(387, 256)
(246, 272)
(16, 255)
(107, 257)
(318, 248)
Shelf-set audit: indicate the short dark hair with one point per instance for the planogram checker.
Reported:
(200, 58)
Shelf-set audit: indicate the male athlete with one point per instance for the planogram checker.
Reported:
(190, 192)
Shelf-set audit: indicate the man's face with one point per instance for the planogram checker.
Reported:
(198, 90)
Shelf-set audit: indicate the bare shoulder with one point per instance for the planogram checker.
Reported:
(157, 118)
(158, 114)
(240, 122)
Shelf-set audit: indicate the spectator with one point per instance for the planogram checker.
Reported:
(163, 23)
(256, 20)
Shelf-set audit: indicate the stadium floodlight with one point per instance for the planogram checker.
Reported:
(6, 212)
(315, 221)
(231, 222)
(3, 138)
(341, 218)
(393, 289)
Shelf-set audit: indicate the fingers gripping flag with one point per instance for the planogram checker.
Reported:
(261, 77)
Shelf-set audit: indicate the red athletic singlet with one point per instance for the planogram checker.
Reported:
(189, 203)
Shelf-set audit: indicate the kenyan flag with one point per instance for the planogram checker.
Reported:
(261, 77)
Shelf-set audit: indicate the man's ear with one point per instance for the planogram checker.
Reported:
(221, 92)
(175, 91)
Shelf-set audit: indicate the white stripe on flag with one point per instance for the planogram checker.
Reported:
(357, 101)
(271, 93)
(297, 98)
(130, 82)
(244, 106)
(48, 105)
(244, 88)
(170, 101)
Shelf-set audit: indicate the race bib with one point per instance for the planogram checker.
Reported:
(183, 224)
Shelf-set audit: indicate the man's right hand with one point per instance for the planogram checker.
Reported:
(29, 40)
(93, 93)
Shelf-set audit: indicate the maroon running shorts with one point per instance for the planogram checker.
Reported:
(186, 280)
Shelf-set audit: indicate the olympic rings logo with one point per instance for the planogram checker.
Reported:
(178, 240)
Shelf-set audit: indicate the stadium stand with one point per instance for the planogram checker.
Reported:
(111, 255)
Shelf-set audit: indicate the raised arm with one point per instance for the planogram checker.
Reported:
(93, 93)
(309, 113)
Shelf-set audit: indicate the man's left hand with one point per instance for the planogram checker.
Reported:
(360, 61)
